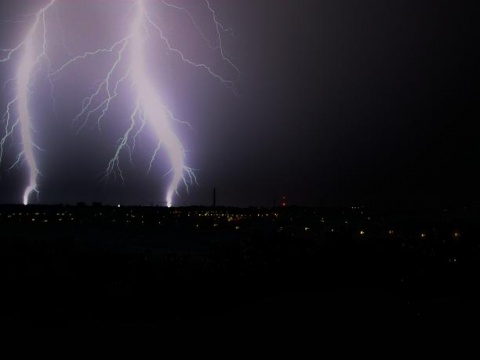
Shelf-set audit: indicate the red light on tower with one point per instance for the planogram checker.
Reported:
(284, 201)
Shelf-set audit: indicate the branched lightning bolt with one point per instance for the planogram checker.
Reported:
(29, 58)
(127, 64)
(149, 109)
(219, 29)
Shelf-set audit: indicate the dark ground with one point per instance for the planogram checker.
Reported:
(241, 273)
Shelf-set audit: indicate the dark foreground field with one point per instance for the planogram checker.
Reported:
(295, 269)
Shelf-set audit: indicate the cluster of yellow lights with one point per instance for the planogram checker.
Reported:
(132, 217)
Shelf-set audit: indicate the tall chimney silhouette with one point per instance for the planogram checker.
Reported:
(214, 197)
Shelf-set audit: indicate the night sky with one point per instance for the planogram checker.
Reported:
(340, 102)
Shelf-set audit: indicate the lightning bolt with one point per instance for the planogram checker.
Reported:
(30, 58)
(128, 64)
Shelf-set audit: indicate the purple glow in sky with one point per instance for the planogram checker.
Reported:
(125, 76)
(340, 102)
